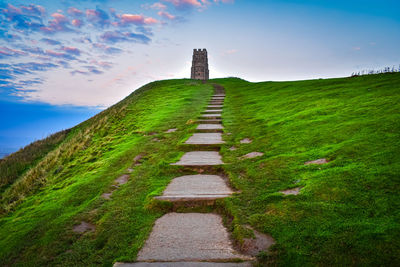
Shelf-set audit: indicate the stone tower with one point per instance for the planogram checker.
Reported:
(199, 65)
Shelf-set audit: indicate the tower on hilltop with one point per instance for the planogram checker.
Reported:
(200, 65)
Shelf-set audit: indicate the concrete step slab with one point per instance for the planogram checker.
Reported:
(200, 158)
(209, 127)
(183, 264)
(212, 111)
(214, 106)
(189, 237)
(205, 139)
(211, 115)
(196, 187)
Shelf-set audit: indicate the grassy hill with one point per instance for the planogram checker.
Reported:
(347, 212)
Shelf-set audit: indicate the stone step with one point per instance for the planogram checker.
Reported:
(212, 111)
(205, 139)
(184, 264)
(196, 187)
(218, 95)
(209, 127)
(210, 121)
(200, 158)
(214, 106)
(216, 103)
(189, 237)
(217, 98)
(211, 116)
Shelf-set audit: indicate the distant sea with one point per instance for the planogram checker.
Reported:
(4, 152)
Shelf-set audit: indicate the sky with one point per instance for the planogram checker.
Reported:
(63, 61)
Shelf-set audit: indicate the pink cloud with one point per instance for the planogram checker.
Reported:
(77, 22)
(74, 12)
(137, 19)
(57, 24)
(150, 21)
(166, 15)
(98, 17)
(54, 53)
(59, 18)
(34, 9)
(231, 51)
(103, 64)
(183, 3)
(159, 6)
(5, 51)
(225, 1)
(71, 50)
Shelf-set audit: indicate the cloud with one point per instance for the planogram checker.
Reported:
(98, 17)
(166, 15)
(231, 51)
(103, 64)
(59, 23)
(79, 72)
(185, 4)
(34, 10)
(75, 12)
(107, 49)
(117, 36)
(90, 70)
(60, 55)
(25, 19)
(9, 37)
(50, 41)
(9, 52)
(77, 22)
(71, 50)
(29, 67)
(136, 19)
(199, 4)
(225, 1)
(93, 70)
(159, 6)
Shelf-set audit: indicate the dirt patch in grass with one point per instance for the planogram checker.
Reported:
(317, 161)
(83, 227)
(246, 141)
(260, 242)
(252, 155)
(123, 179)
(292, 191)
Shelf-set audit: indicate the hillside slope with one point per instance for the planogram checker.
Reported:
(42, 206)
(347, 211)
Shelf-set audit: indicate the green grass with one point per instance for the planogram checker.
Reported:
(16, 164)
(346, 214)
(41, 207)
(348, 211)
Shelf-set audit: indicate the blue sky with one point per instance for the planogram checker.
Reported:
(63, 61)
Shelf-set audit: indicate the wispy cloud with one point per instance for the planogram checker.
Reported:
(74, 12)
(117, 36)
(98, 17)
(166, 15)
(50, 41)
(59, 23)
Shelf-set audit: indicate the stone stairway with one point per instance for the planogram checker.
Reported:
(194, 239)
